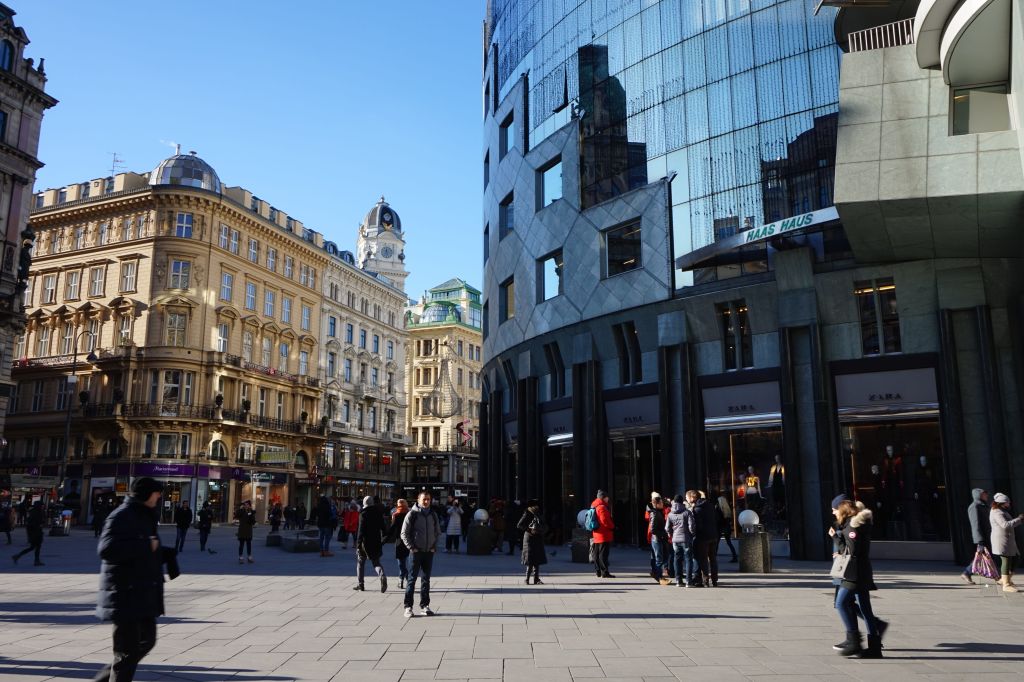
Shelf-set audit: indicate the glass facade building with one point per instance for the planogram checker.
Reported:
(738, 97)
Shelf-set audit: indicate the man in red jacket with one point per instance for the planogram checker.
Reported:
(603, 536)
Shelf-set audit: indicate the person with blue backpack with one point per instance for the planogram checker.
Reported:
(599, 522)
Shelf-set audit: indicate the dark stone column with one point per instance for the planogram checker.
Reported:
(589, 445)
(957, 470)
(993, 399)
(530, 463)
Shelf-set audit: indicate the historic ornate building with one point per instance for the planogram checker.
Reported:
(22, 104)
(443, 375)
(191, 314)
(363, 359)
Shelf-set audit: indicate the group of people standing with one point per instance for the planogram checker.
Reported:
(993, 531)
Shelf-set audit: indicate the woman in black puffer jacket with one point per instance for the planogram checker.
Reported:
(853, 597)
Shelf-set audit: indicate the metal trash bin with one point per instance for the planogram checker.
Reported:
(755, 551)
(580, 546)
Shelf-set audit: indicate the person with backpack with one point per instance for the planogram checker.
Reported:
(600, 523)
(394, 535)
(657, 536)
(682, 530)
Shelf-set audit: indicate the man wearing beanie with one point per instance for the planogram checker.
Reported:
(370, 542)
(131, 578)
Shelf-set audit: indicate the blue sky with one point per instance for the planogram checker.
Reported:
(317, 106)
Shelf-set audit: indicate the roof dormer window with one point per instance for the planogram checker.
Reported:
(6, 55)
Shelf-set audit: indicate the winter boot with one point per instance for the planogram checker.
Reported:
(529, 572)
(852, 645)
(881, 626)
(874, 649)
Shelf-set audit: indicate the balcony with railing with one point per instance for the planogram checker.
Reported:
(894, 34)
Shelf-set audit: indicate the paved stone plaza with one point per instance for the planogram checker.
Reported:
(295, 617)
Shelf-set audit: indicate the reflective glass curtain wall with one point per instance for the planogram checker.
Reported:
(737, 96)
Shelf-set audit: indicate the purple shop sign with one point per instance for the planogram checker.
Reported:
(158, 470)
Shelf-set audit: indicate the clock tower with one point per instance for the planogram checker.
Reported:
(381, 244)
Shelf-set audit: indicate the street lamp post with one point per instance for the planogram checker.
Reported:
(69, 393)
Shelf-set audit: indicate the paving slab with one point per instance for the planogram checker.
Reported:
(295, 617)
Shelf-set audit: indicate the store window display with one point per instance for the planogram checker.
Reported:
(896, 469)
(746, 466)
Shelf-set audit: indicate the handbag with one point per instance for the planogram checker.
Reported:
(983, 564)
(840, 565)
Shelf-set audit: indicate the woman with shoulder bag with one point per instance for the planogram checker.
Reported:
(852, 567)
(1004, 544)
(533, 528)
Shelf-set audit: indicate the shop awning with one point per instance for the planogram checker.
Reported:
(729, 251)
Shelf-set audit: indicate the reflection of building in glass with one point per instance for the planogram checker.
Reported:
(611, 164)
(803, 180)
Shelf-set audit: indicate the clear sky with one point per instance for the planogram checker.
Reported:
(317, 106)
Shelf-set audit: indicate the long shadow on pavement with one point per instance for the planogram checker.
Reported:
(86, 671)
(613, 616)
(963, 647)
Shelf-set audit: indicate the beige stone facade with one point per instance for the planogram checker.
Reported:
(22, 104)
(192, 316)
(443, 379)
(363, 361)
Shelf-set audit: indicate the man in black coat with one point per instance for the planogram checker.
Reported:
(182, 519)
(34, 522)
(131, 578)
(373, 527)
(706, 542)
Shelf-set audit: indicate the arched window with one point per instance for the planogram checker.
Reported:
(217, 451)
(301, 461)
(6, 55)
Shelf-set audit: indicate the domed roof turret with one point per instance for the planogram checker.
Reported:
(382, 217)
(187, 170)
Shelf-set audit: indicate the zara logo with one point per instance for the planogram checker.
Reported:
(884, 397)
(634, 419)
(738, 409)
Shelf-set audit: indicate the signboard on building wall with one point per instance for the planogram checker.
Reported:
(887, 390)
(556, 422)
(741, 400)
(633, 413)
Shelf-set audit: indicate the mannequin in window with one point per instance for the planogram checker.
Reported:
(777, 487)
(741, 491)
(892, 492)
(753, 489)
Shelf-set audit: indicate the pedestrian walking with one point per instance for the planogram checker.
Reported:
(35, 519)
(682, 530)
(395, 536)
(603, 536)
(349, 525)
(497, 518)
(981, 530)
(707, 536)
(182, 520)
(131, 593)
(205, 523)
(246, 522)
(1004, 542)
(453, 532)
(853, 597)
(6, 521)
(657, 535)
(326, 522)
(420, 534)
(533, 528)
(370, 542)
(724, 510)
(99, 514)
(300, 515)
(275, 518)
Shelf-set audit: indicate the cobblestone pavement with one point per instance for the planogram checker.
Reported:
(295, 617)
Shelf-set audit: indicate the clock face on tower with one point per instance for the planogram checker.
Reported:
(387, 252)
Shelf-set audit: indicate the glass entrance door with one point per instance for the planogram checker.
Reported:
(635, 462)
(560, 504)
